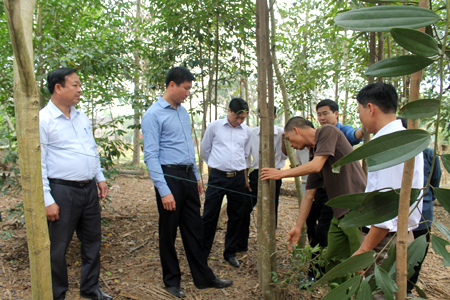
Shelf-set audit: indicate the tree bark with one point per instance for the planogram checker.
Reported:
(137, 111)
(405, 194)
(19, 15)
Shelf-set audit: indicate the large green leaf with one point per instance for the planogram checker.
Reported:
(443, 196)
(382, 18)
(415, 41)
(389, 150)
(423, 108)
(398, 66)
(364, 293)
(388, 264)
(348, 201)
(442, 228)
(439, 245)
(383, 206)
(349, 266)
(345, 290)
(416, 253)
(446, 161)
(386, 284)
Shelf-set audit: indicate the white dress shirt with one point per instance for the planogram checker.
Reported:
(68, 149)
(392, 178)
(280, 157)
(225, 147)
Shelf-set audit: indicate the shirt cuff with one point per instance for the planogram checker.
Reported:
(164, 191)
(48, 199)
(100, 177)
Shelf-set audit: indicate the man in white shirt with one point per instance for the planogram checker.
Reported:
(225, 148)
(70, 174)
(280, 160)
(377, 105)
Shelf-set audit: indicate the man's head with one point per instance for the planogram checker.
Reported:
(377, 104)
(237, 111)
(64, 85)
(299, 132)
(179, 83)
(327, 112)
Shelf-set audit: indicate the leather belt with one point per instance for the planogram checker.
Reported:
(228, 174)
(76, 184)
(185, 168)
(366, 231)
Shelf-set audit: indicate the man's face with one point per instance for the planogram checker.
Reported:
(182, 91)
(70, 93)
(236, 120)
(326, 116)
(296, 140)
(364, 117)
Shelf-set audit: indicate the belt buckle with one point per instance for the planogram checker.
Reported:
(231, 174)
(189, 168)
(82, 184)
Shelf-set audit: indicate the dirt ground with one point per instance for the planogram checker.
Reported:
(130, 256)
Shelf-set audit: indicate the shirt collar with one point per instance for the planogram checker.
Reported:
(389, 128)
(225, 121)
(164, 103)
(56, 112)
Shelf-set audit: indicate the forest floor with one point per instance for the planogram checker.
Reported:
(130, 266)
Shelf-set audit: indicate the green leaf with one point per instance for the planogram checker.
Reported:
(364, 292)
(416, 253)
(398, 66)
(442, 228)
(423, 108)
(446, 161)
(349, 201)
(415, 41)
(349, 266)
(443, 196)
(383, 206)
(382, 18)
(439, 246)
(386, 284)
(389, 150)
(345, 290)
(388, 264)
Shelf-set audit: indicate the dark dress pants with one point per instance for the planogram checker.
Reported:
(187, 217)
(318, 224)
(250, 203)
(235, 210)
(79, 210)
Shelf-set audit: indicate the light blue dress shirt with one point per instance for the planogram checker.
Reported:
(167, 141)
(225, 147)
(349, 133)
(68, 148)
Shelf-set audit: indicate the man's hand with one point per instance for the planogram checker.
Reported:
(168, 202)
(52, 212)
(247, 186)
(200, 188)
(294, 237)
(103, 190)
(271, 173)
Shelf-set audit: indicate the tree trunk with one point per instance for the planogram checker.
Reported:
(217, 67)
(405, 194)
(287, 111)
(266, 149)
(205, 111)
(137, 111)
(19, 15)
(344, 111)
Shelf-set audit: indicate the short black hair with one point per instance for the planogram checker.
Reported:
(381, 94)
(298, 122)
(274, 109)
(328, 102)
(179, 75)
(58, 76)
(238, 106)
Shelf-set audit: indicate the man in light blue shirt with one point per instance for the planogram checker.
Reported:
(226, 148)
(170, 158)
(70, 169)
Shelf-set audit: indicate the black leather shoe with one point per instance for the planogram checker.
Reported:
(176, 291)
(233, 261)
(97, 295)
(217, 284)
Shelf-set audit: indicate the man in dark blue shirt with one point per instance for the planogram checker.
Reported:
(170, 158)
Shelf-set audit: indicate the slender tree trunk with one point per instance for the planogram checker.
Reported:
(41, 68)
(205, 111)
(19, 15)
(380, 51)
(344, 111)
(266, 150)
(137, 111)
(405, 194)
(210, 82)
(217, 67)
(287, 110)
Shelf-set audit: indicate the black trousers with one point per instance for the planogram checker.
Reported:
(318, 224)
(79, 210)
(250, 203)
(235, 210)
(187, 217)
(413, 280)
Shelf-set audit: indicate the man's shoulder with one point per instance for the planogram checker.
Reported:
(328, 129)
